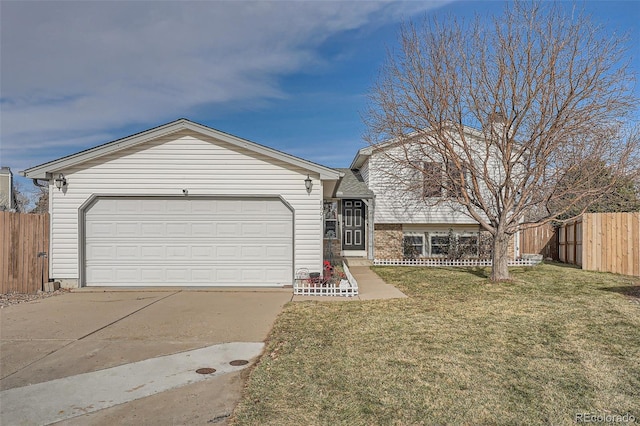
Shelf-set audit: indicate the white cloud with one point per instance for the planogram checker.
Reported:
(90, 66)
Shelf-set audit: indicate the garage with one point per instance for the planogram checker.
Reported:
(188, 241)
(183, 204)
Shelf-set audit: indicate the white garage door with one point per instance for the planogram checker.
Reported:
(188, 242)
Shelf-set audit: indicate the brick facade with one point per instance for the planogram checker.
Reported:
(388, 241)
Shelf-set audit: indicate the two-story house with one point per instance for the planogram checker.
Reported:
(183, 204)
(404, 209)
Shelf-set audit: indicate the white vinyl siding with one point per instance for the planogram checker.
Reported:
(185, 160)
(364, 172)
(393, 206)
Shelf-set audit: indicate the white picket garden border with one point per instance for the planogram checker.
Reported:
(450, 262)
(346, 288)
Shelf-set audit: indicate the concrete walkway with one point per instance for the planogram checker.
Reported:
(370, 287)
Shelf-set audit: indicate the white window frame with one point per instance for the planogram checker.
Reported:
(433, 191)
(414, 235)
(429, 248)
(427, 235)
(470, 235)
(457, 235)
(455, 189)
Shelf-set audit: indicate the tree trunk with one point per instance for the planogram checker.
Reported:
(500, 257)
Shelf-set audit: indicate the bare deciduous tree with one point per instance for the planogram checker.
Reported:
(506, 112)
(21, 201)
(41, 200)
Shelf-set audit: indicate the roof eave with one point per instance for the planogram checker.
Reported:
(364, 153)
(341, 196)
(361, 157)
(40, 172)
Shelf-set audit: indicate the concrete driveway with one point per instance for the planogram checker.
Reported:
(59, 339)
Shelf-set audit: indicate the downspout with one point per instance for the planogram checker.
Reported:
(372, 208)
(41, 185)
(42, 254)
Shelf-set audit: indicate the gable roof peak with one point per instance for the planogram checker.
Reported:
(41, 171)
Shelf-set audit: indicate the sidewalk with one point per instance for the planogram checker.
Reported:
(370, 287)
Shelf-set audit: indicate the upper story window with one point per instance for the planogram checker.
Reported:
(431, 179)
(433, 175)
(456, 177)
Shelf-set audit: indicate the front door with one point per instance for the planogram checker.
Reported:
(353, 225)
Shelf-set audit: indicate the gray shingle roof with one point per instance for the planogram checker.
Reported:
(352, 186)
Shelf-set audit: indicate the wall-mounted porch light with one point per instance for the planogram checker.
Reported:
(61, 181)
(308, 183)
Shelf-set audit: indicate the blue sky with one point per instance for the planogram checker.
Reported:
(290, 75)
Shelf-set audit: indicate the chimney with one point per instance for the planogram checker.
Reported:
(6, 189)
(497, 117)
(497, 121)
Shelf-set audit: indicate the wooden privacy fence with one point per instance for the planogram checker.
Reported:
(540, 240)
(607, 242)
(23, 240)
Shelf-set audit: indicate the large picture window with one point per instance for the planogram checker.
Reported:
(440, 244)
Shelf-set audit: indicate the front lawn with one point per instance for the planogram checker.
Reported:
(555, 342)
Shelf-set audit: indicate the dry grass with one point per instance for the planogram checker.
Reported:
(554, 342)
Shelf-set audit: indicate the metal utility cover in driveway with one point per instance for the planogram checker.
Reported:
(95, 332)
(155, 241)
